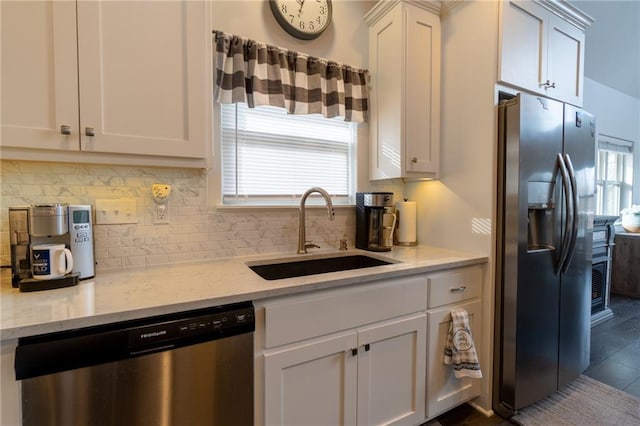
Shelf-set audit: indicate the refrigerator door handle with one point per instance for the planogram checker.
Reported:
(568, 212)
(574, 216)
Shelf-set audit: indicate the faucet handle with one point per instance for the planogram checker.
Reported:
(311, 244)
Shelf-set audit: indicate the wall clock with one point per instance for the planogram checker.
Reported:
(304, 19)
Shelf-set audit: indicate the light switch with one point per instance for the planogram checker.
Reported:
(117, 211)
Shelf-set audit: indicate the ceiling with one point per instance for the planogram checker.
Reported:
(612, 55)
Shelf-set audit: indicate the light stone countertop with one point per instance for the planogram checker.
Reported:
(137, 293)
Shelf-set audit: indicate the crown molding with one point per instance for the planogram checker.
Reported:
(568, 12)
(384, 6)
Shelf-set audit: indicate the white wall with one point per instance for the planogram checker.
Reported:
(345, 40)
(457, 211)
(618, 115)
(612, 45)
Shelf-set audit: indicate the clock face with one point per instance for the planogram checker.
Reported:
(305, 19)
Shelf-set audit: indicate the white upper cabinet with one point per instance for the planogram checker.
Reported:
(39, 89)
(404, 62)
(106, 77)
(542, 48)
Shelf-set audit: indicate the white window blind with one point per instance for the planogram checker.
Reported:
(271, 157)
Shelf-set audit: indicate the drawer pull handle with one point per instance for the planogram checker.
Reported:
(354, 351)
(458, 289)
(89, 131)
(65, 130)
(367, 347)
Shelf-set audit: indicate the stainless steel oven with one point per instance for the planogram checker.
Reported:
(191, 368)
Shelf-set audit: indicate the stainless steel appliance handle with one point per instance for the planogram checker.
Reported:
(566, 235)
(574, 221)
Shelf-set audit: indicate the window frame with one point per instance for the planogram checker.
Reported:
(623, 150)
(215, 176)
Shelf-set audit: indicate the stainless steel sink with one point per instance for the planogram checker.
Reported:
(299, 268)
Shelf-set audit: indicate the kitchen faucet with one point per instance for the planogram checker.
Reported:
(302, 238)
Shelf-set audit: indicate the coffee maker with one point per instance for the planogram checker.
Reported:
(51, 223)
(375, 221)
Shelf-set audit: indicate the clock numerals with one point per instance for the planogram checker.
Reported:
(302, 19)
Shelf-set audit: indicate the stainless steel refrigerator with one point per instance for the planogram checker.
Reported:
(546, 184)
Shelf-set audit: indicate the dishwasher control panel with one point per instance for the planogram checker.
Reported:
(83, 347)
(215, 325)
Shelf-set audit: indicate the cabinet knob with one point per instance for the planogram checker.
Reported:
(354, 351)
(458, 289)
(65, 130)
(89, 131)
(414, 160)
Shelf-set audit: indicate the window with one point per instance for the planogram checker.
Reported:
(270, 157)
(614, 174)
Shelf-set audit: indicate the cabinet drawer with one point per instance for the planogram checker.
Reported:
(454, 286)
(307, 316)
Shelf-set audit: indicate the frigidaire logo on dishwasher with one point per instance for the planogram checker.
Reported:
(153, 334)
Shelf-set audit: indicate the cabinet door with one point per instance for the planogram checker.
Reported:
(143, 86)
(444, 390)
(312, 383)
(391, 372)
(523, 44)
(39, 75)
(385, 59)
(565, 61)
(422, 92)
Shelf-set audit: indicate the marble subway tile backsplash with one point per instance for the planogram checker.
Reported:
(194, 232)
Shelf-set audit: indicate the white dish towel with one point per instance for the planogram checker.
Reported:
(460, 351)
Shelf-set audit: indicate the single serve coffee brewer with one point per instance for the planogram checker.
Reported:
(51, 245)
(375, 221)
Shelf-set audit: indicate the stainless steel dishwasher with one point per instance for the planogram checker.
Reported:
(190, 368)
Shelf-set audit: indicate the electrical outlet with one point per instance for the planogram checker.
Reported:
(161, 213)
(161, 192)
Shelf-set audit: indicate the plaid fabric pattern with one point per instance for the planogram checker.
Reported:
(260, 74)
(460, 351)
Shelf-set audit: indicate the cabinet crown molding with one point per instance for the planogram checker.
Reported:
(568, 12)
(383, 6)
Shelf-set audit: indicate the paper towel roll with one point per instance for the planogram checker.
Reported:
(406, 225)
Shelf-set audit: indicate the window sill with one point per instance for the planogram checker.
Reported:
(244, 208)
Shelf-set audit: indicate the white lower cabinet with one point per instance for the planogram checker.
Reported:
(369, 376)
(368, 354)
(312, 383)
(459, 288)
(444, 390)
(391, 372)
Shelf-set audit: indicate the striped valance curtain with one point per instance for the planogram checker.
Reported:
(259, 74)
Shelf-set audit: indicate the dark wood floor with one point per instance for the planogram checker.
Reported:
(615, 347)
(615, 360)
